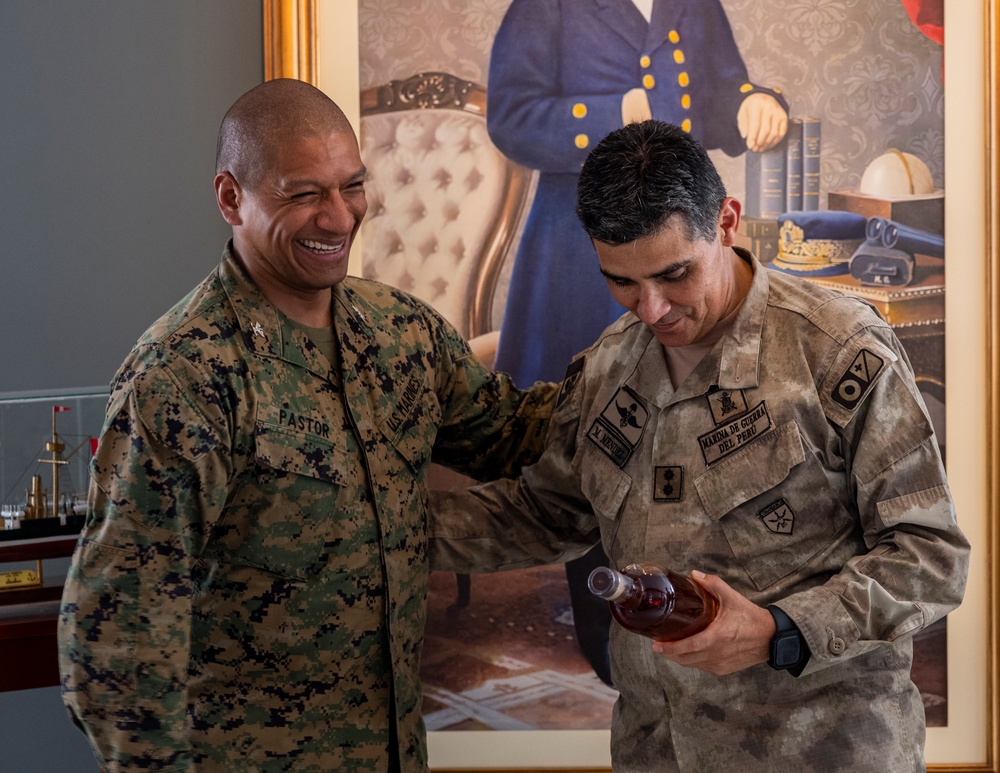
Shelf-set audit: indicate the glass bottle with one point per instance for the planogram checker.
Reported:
(654, 602)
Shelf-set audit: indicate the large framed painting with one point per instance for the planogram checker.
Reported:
(509, 681)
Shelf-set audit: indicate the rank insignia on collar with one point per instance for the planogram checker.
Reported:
(778, 517)
(618, 430)
(726, 404)
(258, 330)
(668, 484)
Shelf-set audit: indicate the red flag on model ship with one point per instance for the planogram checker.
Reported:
(60, 408)
(93, 446)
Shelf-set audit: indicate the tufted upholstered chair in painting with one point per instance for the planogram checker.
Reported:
(444, 204)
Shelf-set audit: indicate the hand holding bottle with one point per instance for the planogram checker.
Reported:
(654, 602)
(698, 622)
(737, 638)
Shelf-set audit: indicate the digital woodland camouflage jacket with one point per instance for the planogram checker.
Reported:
(798, 463)
(248, 593)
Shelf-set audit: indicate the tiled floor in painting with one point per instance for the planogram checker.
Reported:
(509, 660)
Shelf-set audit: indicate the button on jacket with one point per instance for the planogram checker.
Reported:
(248, 593)
(798, 463)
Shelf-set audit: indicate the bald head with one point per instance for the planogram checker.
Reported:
(272, 113)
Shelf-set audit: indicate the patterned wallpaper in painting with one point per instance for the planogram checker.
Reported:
(860, 66)
(403, 37)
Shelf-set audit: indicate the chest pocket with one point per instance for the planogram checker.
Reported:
(774, 505)
(284, 512)
(602, 482)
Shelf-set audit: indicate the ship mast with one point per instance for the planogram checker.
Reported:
(55, 447)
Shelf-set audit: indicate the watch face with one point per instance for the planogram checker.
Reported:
(786, 649)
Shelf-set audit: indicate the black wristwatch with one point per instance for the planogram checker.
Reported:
(789, 651)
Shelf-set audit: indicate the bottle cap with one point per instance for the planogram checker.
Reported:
(606, 583)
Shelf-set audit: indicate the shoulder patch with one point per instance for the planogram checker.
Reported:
(858, 367)
(570, 380)
(858, 378)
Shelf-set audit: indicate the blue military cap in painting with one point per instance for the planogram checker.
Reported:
(818, 243)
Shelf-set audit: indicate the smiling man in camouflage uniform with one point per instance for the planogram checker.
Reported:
(248, 593)
(767, 435)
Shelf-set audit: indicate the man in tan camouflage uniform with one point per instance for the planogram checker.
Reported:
(248, 593)
(767, 436)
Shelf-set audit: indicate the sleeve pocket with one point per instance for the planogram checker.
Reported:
(99, 621)
(603, 483)
(930, 508)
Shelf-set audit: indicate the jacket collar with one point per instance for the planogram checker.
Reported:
(622, 18)
(739, 362)
(733, 363)
(267, 332)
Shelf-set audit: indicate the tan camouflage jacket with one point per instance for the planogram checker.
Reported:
(798, 463)
(248, 593)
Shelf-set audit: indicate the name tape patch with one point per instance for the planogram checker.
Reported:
(618, 429)
(303, 423)
(731, 437)
(407, 400)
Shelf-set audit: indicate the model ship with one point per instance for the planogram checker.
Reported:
(42, 514)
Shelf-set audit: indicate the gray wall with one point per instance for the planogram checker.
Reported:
(108, 116)
(107, 145)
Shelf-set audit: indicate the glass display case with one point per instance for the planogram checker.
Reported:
(45, 448)
(46, 443)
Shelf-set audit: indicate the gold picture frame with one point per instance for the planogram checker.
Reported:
(290, 40)
(296, 37)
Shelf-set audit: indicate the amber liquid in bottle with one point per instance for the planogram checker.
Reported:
(654, 602)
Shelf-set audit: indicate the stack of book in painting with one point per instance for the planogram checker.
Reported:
(782, 179)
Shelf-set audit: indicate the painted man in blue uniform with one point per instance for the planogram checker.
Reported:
(563, 74)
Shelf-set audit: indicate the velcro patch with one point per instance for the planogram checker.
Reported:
(737, 433)
(570, 380)
(778, 517)
(618, 430)
(726, 403)
(857, 379)
(668, 484)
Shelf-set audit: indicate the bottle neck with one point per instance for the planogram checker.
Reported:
(614, 586)
(631, 592)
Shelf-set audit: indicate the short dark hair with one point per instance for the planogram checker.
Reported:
(638, 176)
(276, 111)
